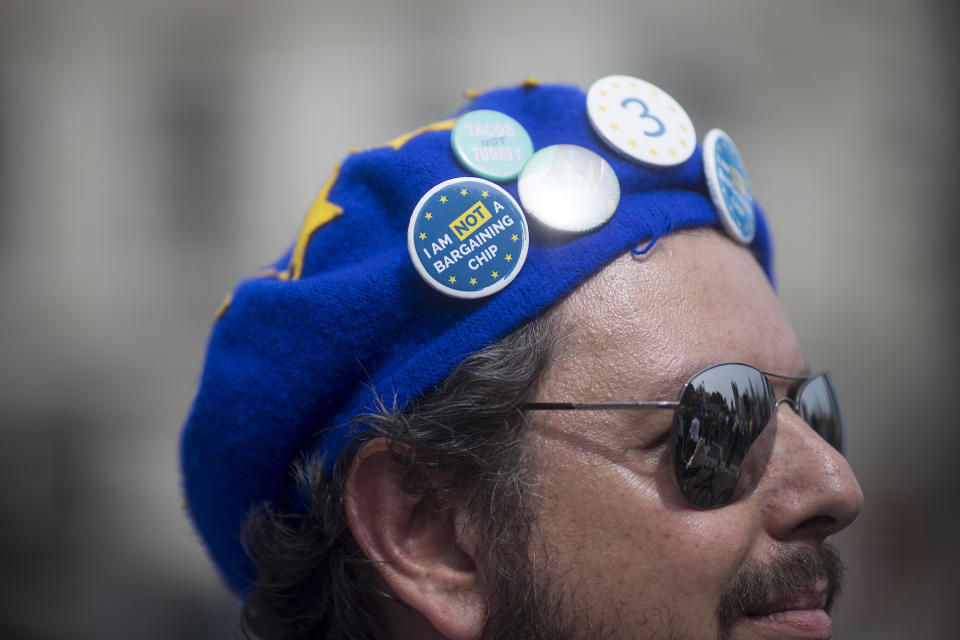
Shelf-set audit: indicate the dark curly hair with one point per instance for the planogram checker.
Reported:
(464, 441)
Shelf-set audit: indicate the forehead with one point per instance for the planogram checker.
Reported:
(649, 323)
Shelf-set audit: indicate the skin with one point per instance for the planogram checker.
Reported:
(621, 538)
(614, 539)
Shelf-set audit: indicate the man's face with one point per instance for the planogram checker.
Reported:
(614, 538)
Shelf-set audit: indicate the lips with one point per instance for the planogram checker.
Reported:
(788, 596)
(812, 597)
(800, 614)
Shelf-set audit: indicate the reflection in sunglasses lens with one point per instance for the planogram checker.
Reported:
(819, 407)
(722, 411)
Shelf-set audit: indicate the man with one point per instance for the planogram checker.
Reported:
(433, 419)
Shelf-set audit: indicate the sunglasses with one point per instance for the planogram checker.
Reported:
(721, 412)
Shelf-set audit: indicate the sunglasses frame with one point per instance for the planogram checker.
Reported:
(792, 398)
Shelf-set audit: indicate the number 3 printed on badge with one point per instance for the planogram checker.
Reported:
(646, 115)
(640, 121)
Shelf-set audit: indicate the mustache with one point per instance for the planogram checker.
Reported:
(790, 572)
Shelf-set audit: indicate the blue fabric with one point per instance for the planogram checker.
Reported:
(291, 361)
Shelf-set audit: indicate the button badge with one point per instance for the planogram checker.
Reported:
(729, 186)
(467, 238)
(640, 121)
(568, 187)
(491, 144)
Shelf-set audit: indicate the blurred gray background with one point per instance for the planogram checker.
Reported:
(153, 152)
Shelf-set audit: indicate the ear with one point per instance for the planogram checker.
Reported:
(417, 543)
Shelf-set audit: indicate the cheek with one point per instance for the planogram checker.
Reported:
(620, 548)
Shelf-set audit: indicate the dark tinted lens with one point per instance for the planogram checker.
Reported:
(819, 406)
(722, 411)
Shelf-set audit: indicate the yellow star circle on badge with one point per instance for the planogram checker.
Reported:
(443, 198)
(423, 236)
(473, 281)
(453, 279)
(484, 194)
(514, 237)
(653, 113)
(508, 257)
(495, 274)
(463, 192)
(429, 216)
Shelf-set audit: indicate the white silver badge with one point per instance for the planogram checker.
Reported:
(568, 187)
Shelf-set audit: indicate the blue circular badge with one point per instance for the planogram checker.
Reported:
(467, 238)
(491, 144)
(729, 186)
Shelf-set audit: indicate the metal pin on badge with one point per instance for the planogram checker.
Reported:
(467, 238)
(491, 144)
(640, 121)
(569, 188)
(729, 186)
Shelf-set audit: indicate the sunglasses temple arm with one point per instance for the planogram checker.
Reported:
(577, 406)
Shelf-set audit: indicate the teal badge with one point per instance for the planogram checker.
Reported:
(729, 186)
(467, 238)
(491, 144)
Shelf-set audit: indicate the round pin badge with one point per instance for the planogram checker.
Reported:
(568, 187)
(467, 238)
(491, 144)
(641, 121)
(729, 186)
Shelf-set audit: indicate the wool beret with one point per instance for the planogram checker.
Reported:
(300, 347)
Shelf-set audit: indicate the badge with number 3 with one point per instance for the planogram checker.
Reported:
(640, 121)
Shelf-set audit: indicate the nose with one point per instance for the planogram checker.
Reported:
(807, 488)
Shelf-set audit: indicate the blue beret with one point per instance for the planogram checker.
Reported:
(298, 349)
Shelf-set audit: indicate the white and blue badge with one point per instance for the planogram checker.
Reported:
(491, 144)
(467, 238)
(640, 121)
(569, 188)
(729, 186)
